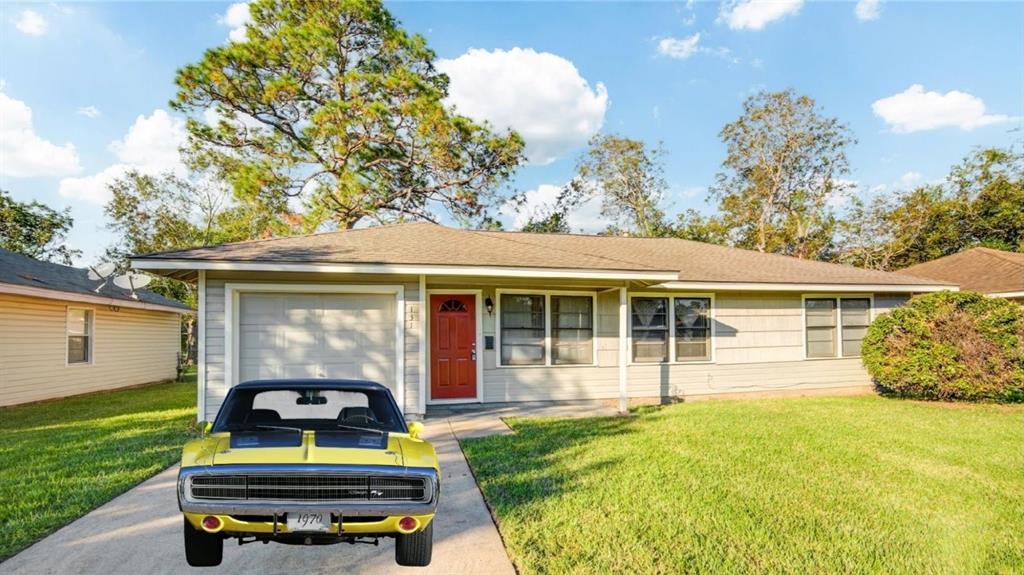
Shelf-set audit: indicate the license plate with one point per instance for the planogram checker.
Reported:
(316, 522)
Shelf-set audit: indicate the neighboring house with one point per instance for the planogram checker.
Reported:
(992, 272)
(523, 317)
(58, 337)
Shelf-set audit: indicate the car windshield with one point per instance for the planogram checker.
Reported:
(309, 408)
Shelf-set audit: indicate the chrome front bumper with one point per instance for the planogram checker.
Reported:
(343, 507)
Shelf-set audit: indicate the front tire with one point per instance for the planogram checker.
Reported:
(202, 549)
(415, 549)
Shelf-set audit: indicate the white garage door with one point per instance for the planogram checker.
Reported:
(293, 335)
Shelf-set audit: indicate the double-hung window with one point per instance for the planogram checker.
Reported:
(546, 329)
(650, 329)
(522, 329)
(693, 328)
(79, 335)
(667, 329)
(572, 329)
(835, 326)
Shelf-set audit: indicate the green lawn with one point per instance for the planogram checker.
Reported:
(823, 485)
(60, 459)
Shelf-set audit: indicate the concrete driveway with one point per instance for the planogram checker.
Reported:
(140, 532)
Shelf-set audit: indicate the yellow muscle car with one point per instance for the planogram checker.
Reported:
(309, 462)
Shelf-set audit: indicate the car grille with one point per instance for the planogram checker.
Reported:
(319, 488)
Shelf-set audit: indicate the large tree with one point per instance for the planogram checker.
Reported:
(981, 203)
(784, 162)
(35, 230)
(628, 178)
(332, 100)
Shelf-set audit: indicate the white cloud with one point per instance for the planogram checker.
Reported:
(540, 95)
(914, 110)
(31, 22)
(679, 48)
(237, 18)
(88, 111)
(22, 152)
(910, 179)
(867, 10)
(756, 14)
(150, 146)
(585, 218)
(683, 48)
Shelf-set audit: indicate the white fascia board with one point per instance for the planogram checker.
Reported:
(1006, 294)
(802, 287)
(408, 269)
(15, 289)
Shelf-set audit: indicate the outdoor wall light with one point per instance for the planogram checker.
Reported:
(489, 304)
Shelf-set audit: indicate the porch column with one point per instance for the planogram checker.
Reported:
(623, 349)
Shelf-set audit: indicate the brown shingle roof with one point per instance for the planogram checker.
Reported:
(983, 270)
(430, 244)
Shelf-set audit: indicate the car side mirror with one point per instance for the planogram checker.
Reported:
(205, 427)
(415, 429)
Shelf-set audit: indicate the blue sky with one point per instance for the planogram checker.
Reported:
(86, 86)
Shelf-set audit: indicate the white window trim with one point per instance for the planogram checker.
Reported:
(839, 320)
(91, 335)
(427, 312)
(672, 359)
(547, 326)
(231, 329)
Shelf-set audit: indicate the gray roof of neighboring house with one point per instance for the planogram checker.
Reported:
(984, 270)
(20, 270)
(431, 244)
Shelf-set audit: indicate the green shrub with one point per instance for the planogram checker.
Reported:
(949, 346)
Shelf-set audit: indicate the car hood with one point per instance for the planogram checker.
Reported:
(328, 448)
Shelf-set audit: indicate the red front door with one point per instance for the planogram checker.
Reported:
(452, 346)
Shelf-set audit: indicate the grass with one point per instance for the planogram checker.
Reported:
(61, 459)
(823, 485)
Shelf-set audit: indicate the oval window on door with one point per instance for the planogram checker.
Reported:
(452, 305)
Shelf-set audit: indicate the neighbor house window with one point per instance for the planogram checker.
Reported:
(572, 329)
(650, 329)
(836, 326)
(856, 315)
(79, 335)
(693, 328)
(522, 329)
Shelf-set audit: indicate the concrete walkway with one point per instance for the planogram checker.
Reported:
(140, 532)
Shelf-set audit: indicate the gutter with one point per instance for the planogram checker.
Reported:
(15, 289)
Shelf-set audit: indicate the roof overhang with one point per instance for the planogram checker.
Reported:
(169, 265)
(21, 290)
(1006, 294)
(802, 287)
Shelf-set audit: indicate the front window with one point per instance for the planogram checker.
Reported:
(693, 328)
(835, 326)
(314, 408)
(79, 335)
(856, 316)
(522, 329)
(821, 327)
(650, 329)
(572, 329)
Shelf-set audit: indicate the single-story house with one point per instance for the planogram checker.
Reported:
(59, 337)
(445, 315)
(985, 270)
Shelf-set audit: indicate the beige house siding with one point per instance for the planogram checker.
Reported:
(759, 343)
(130, 347)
